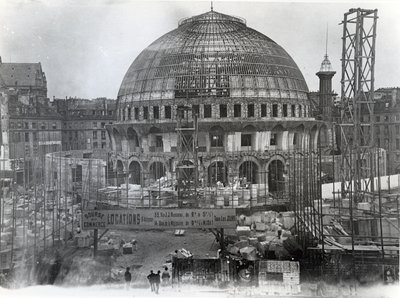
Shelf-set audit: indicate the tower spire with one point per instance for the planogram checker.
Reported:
(212, 8)
(326, 41)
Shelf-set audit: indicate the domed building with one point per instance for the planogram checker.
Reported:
(219, 100)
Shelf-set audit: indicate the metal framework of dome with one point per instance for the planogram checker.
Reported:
(212, 55)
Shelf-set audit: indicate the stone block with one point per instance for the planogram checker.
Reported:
(260, 226)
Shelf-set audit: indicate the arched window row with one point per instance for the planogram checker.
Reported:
(217, 111)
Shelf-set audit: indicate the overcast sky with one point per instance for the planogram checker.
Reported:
(86, 47)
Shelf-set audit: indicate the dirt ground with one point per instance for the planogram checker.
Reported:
(154, 249)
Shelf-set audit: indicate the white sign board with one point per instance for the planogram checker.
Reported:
(161, 219)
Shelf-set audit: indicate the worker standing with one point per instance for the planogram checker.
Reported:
(128, 278)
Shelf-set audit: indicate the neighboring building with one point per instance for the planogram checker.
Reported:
(84, 122)
(30, 126)
(387, 125)
(250, 98)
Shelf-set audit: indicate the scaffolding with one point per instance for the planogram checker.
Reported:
(354, 233)
(187, 162)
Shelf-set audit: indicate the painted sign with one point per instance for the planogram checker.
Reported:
(159, 219)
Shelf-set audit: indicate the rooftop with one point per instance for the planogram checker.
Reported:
(22, 74)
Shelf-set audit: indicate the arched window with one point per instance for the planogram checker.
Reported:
(217, 172)
(134, 173)
(216, 137)
(276, 182)
(248, 171)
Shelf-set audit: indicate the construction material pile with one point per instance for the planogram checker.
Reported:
(265, 235)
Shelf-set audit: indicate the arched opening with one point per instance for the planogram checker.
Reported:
(134, 173)
(133, 140)
(156, 141)
(216, 137)
(217, 172)
(157, 170)
(297, 141)
(276, 181)
(248, 171)
(120, 173)
(247, 137)
(117, 140)
(276, 139)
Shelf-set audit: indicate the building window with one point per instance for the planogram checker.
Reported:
(136, 111)
(217, 138)
(245, 140)
(223, 112)
(145, 113)
(397, 129)
(54, 125)
(43, 126)
(129, 113)
(103, 125)
(103, 145)
(237, 110)
(284, 110)
(95, 145)
(274, 110)
(110, 113)
(263, 110)
(27, 137)
(180, 111)
(95, 135)
(377, 118)
(293, 110)
(94, 124)
(207, 111)
(196, 110)
(156, 112)
(386, 118)
(26, 124)
(250, 110)
(300, 112)
(167, 112)
(397, 144)
(93, 112)
(103, 135)
(159, 142)
(273, 140)
(34, 136)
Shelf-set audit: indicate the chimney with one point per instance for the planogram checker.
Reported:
(0, 59)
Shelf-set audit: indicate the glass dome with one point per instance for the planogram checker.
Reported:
(213, 55)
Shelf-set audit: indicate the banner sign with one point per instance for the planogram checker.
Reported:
(161, 219)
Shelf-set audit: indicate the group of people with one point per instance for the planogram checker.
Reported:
(155, 279)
